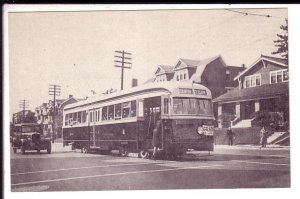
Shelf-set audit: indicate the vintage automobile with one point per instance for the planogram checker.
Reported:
(29, 137)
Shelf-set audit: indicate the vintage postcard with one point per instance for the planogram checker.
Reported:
(109, 98)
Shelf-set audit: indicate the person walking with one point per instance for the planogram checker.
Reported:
(263, 137)
(156, 136)
(230, 136)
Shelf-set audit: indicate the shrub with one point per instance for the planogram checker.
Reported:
(268, 119)
(225, 119)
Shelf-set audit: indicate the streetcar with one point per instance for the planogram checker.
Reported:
(125, 120)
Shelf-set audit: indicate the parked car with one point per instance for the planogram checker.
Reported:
(29, 137)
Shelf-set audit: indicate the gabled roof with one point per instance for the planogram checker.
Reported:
(149, 80)
(274, 60)
(197, 63)
(202, 65)
(258, 92)
(162, 69)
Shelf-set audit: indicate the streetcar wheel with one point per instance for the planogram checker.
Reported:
(143, 154)
(49, 149)
(15, 149)
(123, 151)
(84, 149)
(23, 150)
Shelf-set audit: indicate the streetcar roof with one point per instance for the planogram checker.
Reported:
(27, 124)
(166, 86)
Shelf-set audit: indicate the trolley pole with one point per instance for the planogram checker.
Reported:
(122, 62)
(55, 91)
(23, 104)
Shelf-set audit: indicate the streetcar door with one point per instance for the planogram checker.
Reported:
(152, 110)
(92, 120)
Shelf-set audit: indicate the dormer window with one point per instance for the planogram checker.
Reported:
(252, 80)
(279, 76)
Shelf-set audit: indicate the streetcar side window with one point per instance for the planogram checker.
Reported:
(83, 116)
(133, 109)
(79, 117)
(104, 113)
(91, 116)
(111, 111)
(125, 109)
(75, 117)
(67, 119)
(118, 108)
(166, 106)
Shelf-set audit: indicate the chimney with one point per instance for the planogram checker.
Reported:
(243, 66)
(134, 82)
(70, 96)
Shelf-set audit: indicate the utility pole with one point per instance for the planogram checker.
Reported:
(121, 58)
(23, 104)
(55, 91)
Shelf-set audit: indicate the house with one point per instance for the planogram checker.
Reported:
(25, 116)
(263, 86)
(211, 72)
(44, 114)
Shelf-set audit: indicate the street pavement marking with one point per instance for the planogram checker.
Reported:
(260, 163)
(114, 174)
(91, 167)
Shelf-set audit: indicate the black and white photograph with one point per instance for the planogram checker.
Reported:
(129, 98)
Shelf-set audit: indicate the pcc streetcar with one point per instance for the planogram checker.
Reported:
(125, 120)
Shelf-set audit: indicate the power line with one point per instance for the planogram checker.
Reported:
(55, 91)
(252, 14)
(123, 59)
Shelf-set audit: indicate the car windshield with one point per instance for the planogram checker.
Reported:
(30, 129)
(192, 106)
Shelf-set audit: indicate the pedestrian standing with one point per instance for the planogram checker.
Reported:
(263, 137)
(156, 136)
(230, 136)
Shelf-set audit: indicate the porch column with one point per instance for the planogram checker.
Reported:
(238, 109)
(257, 105)
(219, 113)
(219, 109)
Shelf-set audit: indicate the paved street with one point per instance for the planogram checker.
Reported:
(226, 167)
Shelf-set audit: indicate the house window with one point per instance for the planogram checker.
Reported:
(252, 80)
(228, 76)
(279, 76)
(177, 77)
(184, 76)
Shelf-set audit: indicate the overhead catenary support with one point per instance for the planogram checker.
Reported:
(122, 61)
(55, 91)
(23, 104)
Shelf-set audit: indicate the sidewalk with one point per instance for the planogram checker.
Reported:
(58, 147)
(253, 147)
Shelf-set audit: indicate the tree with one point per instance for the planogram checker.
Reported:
(282, 43)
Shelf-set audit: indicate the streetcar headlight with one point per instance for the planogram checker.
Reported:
(200, 130)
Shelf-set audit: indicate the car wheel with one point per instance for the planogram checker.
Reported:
(23, 150)
(143, 154)
(123, 151)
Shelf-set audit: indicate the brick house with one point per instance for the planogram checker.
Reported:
(263, 86)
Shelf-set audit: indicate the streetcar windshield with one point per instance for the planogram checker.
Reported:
(30, 129)
(192, 106)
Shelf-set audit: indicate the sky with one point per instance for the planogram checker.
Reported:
(76, 49)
